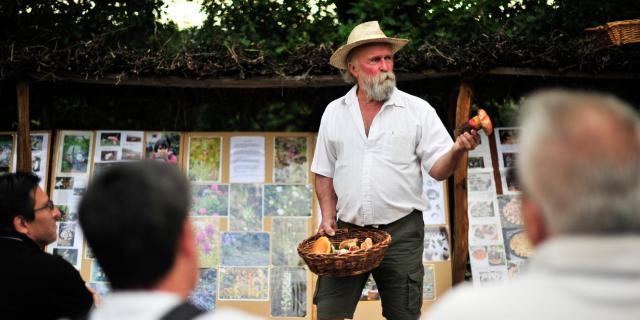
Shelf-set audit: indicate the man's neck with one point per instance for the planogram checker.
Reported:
(365, 102)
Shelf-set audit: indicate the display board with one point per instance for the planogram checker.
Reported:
(252, 203)
(498, 246)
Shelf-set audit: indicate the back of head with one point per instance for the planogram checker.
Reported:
(16, 198)
(579, 162)
(133, 216)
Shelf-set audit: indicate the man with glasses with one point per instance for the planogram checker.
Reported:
(35, 284)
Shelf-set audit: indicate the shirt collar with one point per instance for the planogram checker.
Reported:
(352, 98)
(585, 254)
(21, 239)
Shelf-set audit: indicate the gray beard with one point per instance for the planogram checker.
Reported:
(377, 89)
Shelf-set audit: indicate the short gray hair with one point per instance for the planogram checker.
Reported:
(346, 74)
(580, 162)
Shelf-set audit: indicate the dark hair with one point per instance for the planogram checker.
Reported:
(133, 216)
(163, 143)
(17, 198)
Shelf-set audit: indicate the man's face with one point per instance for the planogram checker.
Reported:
(372, 66)
(42, 229)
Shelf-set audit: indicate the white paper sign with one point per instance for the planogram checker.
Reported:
(247, 159)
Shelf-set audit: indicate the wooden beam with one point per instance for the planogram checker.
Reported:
(316, 81)
(553, 73)
(24, 137)
(234, 83)
(460, 219)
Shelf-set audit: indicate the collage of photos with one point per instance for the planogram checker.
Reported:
(115, 146)
(73, 168)
(498, 247)
(239, 258)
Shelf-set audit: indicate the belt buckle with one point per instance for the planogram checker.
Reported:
(375, 226)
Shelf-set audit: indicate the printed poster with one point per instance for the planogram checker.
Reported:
(245, 212)
(205, 159)
(433, 191)
(244, 284)
(247, 159)
(480, 157)
(163, 146)
(117, 146)
(429, 283)
(7, 143)
(207, 232)
(290, 160)
(288, 292)
(209, 199)
(74, 153)
(286, 234)
(204, 294)
(69, 184)
(481, 183)
(507, 140)
(245, 249)
(287, 200)
(436, 244)
(39, 157)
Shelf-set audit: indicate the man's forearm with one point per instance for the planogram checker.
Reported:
(326, 197)
(445, 166)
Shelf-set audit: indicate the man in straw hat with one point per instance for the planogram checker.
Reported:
(373, 144)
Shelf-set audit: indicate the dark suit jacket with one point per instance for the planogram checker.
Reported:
(38, 285)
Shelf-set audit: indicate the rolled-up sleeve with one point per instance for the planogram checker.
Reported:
(434, 140)
(324, 158)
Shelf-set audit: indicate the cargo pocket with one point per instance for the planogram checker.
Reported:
(414, 293)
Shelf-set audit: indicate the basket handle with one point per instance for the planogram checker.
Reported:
(598, 28)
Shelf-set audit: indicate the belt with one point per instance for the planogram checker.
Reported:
(378, 226)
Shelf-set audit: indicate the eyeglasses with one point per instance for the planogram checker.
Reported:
(49, 205)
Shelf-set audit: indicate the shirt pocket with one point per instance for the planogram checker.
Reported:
(399, 147)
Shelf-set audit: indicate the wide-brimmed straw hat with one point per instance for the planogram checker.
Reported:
(367, 32)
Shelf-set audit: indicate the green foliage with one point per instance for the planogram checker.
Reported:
(35, 22)
(273, 27)
(295, 37)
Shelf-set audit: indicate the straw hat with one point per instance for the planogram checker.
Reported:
(367, 32)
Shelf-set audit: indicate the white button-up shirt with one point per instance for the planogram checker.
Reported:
(378, 178)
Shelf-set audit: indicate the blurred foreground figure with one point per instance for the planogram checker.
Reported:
(134, 216)
(33, 283)
(579, 168)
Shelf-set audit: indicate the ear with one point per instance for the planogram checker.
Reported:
(188, 241)
(20, 225)
(534, 222)
(352, 69)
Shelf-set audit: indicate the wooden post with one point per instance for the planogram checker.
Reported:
(460, 219)
(24, 137)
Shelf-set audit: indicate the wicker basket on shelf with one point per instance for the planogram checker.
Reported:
(620, 32)
(347, 264)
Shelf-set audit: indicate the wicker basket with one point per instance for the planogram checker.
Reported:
(348, 264)
(620, 32)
